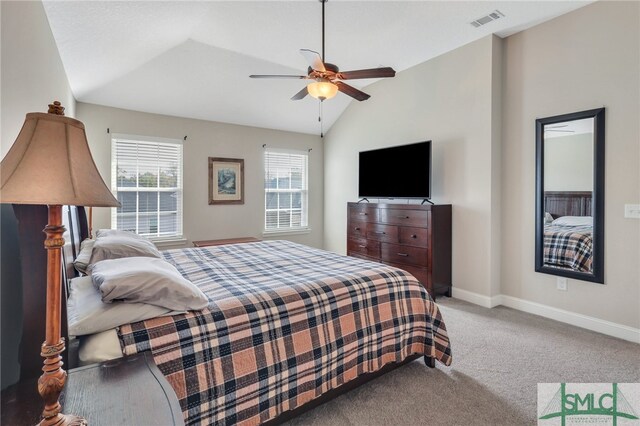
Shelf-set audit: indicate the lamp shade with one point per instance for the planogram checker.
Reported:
(50, 163)
(322, 90)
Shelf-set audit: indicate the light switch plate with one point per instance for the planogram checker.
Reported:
(632, 211)
(562, 284)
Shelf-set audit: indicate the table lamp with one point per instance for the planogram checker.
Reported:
(50, 164)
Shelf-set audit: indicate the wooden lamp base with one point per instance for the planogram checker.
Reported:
(53, 378)
(64, 420)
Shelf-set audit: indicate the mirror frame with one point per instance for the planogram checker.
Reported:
(597, 275)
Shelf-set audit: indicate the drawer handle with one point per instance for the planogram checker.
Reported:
(361, 246)
(403, 254)
(414, 236)
(403, 217)
(363, 214)
(357, 228)
(379, 232)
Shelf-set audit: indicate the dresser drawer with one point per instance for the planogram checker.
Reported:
(403, 217)
(357, 229)
(363, 213)
(387, 233)
(418, 237)
(363, 257)
(370, 248)
(422, 274)
(395, 253)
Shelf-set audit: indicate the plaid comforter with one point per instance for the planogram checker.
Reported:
(285, 324)
(569, 247)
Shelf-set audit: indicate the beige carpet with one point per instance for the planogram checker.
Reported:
(499, 355)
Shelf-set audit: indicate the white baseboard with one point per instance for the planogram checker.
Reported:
(584, 321)
(477, 299)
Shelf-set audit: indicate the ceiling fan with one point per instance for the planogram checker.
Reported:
(328, 79)
(557, 128)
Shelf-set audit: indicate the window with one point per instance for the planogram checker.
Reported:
(146, 175)
(285, 190)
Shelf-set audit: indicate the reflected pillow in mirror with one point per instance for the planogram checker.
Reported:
(548, 218)
(574, 221)
(146, 280)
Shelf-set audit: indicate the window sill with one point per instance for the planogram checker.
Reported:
(169, 242)
(284, 232)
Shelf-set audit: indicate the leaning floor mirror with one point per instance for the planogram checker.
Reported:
(570, 195)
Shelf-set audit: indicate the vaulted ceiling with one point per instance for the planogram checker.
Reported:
(193, 59)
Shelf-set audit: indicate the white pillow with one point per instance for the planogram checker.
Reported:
(88, 314)
(118, 244)
(99, 347)
(574, 221)
(548, 218)
(146, 280)
(118, 233)
(84, 257)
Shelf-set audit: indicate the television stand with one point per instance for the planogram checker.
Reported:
(363, 199)
(427, 201)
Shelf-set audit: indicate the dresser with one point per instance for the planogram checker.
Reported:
(412, 237)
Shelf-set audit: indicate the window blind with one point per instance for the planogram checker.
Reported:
(286, 190)
(147, 179)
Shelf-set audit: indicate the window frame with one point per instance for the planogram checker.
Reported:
(305, 227)
(178, 236)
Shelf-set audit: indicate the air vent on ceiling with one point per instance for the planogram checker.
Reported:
(496, 14)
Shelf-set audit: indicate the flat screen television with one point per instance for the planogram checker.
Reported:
(397, 172)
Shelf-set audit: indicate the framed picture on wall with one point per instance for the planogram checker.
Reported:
(226, 180)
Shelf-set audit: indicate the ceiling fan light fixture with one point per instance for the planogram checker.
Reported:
(322, 90)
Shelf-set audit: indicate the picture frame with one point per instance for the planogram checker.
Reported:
(226, 180)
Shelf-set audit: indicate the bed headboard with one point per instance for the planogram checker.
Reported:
(74, 219)
(568, 203)
(33, 258)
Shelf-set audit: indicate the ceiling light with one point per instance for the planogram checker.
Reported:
(322, 90)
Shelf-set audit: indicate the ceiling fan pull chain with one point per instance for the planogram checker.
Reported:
(320, 118)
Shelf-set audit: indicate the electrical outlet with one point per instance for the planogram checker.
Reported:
(562, 284)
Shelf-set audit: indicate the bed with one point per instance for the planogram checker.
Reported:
(568, 230)
(287, 327)
(569, 246)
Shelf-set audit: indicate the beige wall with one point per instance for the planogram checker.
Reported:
(32, 76)
(496, 164)
(32, 72)
(582, 60)
(479, 104)
(209, 139)
(448, 100)
(568, 163)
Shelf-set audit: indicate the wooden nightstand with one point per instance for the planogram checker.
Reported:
(126, 391)
(207, 243)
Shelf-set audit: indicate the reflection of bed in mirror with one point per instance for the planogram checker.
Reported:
(568, 230)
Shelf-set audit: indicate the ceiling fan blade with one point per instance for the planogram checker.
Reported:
(352, 91)
(370, 73)
(299, 77)
(314, 59)
(301, 94)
